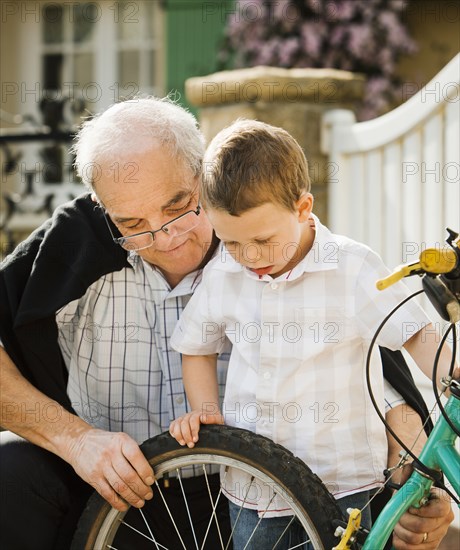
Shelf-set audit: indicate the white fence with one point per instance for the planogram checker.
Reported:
(395, 183)
(396, 178)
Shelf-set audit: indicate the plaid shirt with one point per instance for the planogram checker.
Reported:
(123, 374)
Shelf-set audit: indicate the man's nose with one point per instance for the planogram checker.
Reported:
(163, 240)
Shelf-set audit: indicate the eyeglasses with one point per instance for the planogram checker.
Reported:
(174, 228)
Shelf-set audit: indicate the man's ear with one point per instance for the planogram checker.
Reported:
(304, 206)
(93, 197)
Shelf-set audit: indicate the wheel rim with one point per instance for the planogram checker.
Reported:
(114, 519)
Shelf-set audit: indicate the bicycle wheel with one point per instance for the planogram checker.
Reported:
(267, 464)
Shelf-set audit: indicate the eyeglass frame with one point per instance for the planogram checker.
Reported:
(119, 240)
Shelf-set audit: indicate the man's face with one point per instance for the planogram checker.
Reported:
(142, 192)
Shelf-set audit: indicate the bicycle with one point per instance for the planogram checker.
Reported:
(440, 269)
(273, 468)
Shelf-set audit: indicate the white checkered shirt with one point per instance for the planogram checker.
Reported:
(297, 368)
(123, 374)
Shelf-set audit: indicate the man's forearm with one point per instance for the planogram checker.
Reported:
(31, 414)
(94, 454)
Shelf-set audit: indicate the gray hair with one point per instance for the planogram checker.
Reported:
(160, 122)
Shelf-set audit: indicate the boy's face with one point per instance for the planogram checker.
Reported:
(268, 239)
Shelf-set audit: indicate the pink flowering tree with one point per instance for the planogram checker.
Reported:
(365, 36)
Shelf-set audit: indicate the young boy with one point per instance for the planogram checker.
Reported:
(300, 306)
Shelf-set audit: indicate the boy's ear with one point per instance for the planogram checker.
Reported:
(304, 206)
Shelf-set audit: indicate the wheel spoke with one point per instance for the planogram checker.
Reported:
(299, 545)
(141, 533)
(170, 515)
(179, 477)
(284, 532)
(213, 515)
(241, 508)
(148, 527)
(260, 519)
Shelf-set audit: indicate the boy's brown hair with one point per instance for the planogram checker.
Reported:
(250, 163)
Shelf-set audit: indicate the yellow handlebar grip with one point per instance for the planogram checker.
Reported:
(397, 275)
(434, 261)
(382, 284)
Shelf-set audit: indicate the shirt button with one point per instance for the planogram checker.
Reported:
(267, 375)
(274, 286)
(179, 400)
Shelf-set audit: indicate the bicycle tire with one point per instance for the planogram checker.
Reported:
(313, 505)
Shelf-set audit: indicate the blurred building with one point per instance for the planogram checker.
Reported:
(104, 51)
(63, 60)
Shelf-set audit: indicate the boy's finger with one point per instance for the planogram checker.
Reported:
(195, 427)
(175, 431)
(186, 431)
(211, 418)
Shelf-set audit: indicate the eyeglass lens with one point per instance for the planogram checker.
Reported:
(174, 228)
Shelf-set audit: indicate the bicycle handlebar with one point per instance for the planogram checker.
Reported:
(433, 261)
(440, 268)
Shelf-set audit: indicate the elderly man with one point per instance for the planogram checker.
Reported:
(89, 302)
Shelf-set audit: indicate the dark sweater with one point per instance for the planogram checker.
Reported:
(54, 266)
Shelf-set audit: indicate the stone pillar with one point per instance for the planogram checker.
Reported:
(294, 99)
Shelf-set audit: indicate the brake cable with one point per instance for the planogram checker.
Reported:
(433, 474)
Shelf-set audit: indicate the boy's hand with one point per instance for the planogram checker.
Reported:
(185, 428)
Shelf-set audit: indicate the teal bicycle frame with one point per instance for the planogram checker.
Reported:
(438, 453)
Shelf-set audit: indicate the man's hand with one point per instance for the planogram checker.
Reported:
(433, 520)
(185, 428)
(114, 465)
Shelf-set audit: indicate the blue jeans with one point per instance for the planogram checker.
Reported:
(270, 529)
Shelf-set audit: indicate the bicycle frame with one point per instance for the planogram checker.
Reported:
(438, 453)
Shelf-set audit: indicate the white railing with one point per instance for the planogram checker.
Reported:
(394, 181)
(396, 178)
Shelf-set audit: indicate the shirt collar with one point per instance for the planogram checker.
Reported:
(323, 256)
(185, 287)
